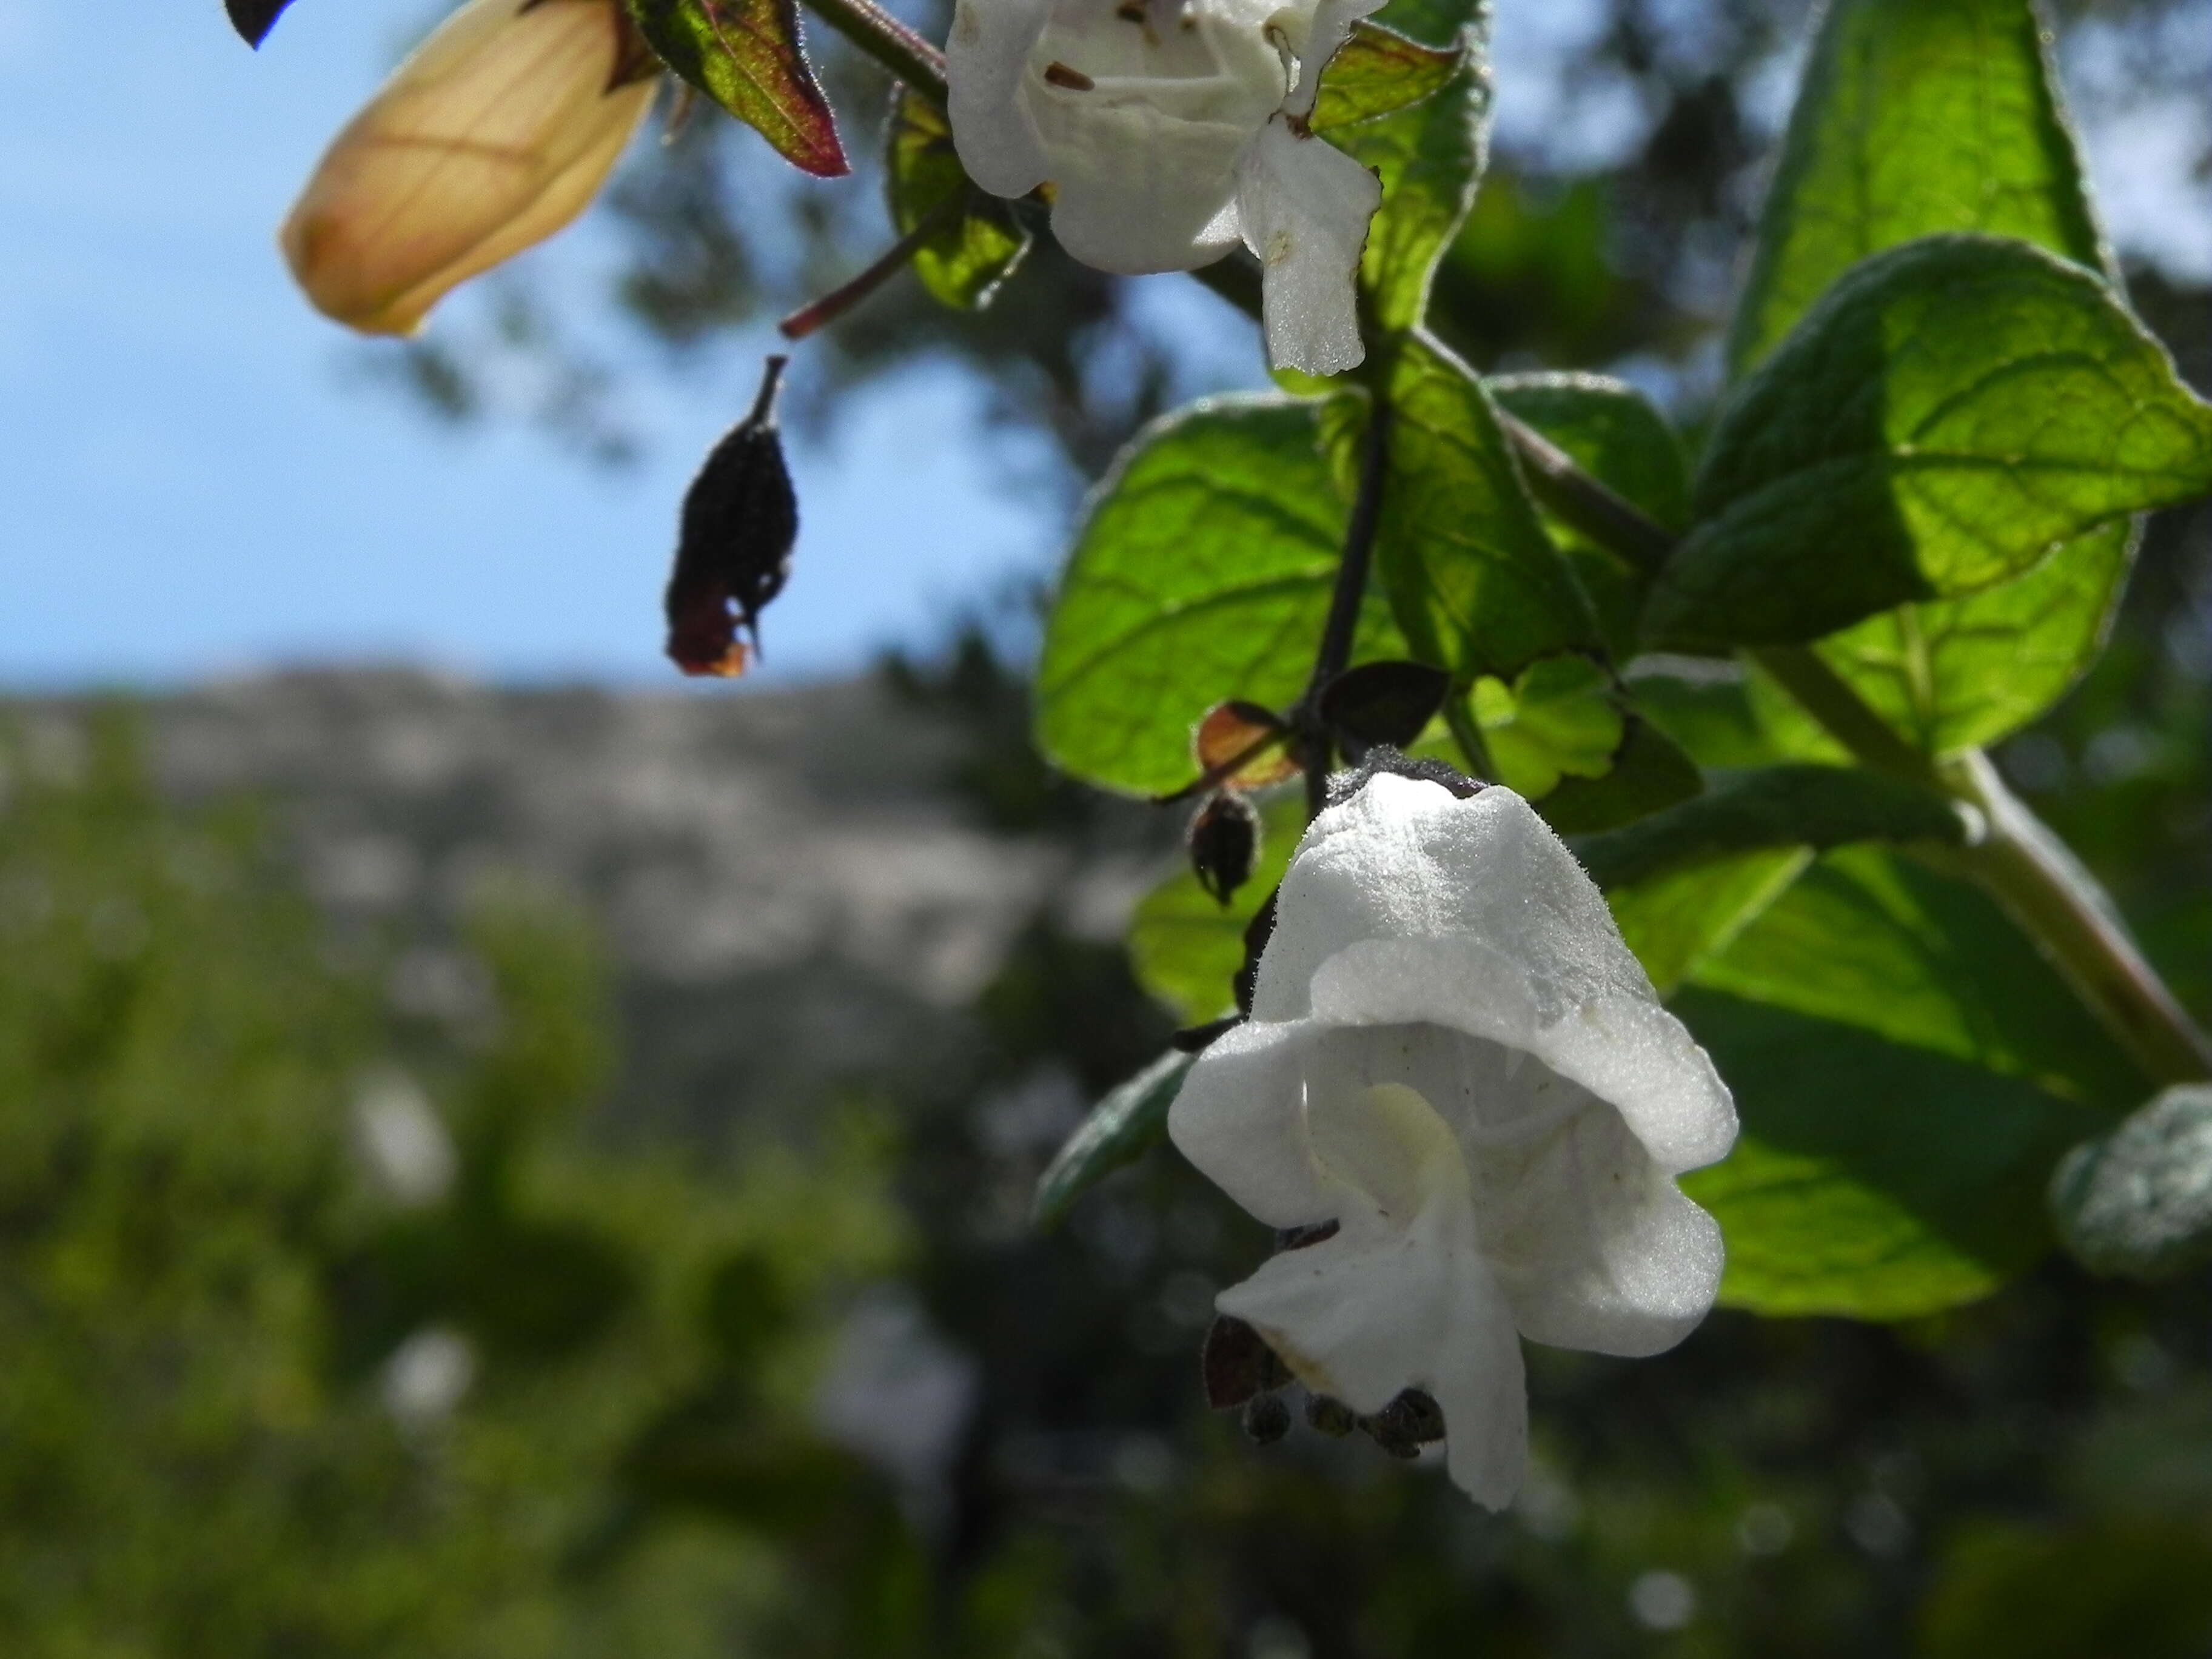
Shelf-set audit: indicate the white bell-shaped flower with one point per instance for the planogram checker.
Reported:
(1453, 1056)
(1169, 130)
(495, 132)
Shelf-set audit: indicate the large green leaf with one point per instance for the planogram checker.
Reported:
(1675, 919)
(1428, 153)
(1475, 584)
(1916, 116)
(978, 243)
(1957, 674)
(1954, 412)
(1201, 573)
(749, 56)
(1614, 433)
(1186, 947)
(1908, 1069)
(1919, 117)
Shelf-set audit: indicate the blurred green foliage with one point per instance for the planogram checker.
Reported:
(251, 1404)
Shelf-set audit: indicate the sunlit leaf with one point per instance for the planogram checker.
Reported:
(980, 243)
(749, 56)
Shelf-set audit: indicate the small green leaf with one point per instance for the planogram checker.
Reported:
(1476, 585)
(1954, 412)
(1429, 154)
(1121, 1129)
(1819, 807)
(2137, 1203)
(1614, 433)
(749, 56)
(962, 265)
(1907, 1068)
(1377, 73)
(1650, 773)
(1201, 574)
(1435, 22)
(1186, 948)
(1916, 116)
(1557, 720)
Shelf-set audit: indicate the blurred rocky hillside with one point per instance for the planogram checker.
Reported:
(801, 889)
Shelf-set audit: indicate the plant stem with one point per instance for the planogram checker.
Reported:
(1590, 506)
(906, 54)
(1317, 748)
(841, 298)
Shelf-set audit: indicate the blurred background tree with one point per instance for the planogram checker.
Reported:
(333, 1329)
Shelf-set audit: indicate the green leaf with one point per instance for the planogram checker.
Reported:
(1376, 73)
(1476, 585)
(2137, 1203)
(1185, 947)
(1708, 707)
(749, 56)
(1916, 116)
(1201, 574)
(963, 263)
(1951, 675)
(1649, 774)
(1614, 433)
(1557, 720)
(1428, 153)
(1121, 1129)
(1819, 807)
(1907, 1068)
(1952, 414)
(1871, 1180)
(1675, 919)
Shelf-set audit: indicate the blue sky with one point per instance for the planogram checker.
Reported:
(198, 481)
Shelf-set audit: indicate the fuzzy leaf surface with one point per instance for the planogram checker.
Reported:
(749, 56)
(1201, 576)
(1953, 414)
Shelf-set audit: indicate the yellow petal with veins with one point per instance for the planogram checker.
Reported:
(493, 135)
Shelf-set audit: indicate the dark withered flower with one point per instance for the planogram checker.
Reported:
(1224, 839)
(733, 548)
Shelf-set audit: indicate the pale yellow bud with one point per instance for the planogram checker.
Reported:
(494, 133)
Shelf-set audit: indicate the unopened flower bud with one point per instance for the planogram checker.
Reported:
(733, 553)
(1266, 1418)
(1224, 839)
(494, 133)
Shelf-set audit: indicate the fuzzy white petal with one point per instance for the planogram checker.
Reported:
(1472, 915)
(986, 57)
(1304, 207)
(1328, 28)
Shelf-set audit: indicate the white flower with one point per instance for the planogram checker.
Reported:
(1453, 1056)
(494, 133)
(1168, 129)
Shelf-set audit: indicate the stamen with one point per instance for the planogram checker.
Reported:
(1059, 74)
